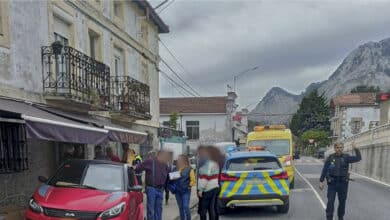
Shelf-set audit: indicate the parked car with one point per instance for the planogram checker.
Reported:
(321, 152)
(297, 154)
(88, 189)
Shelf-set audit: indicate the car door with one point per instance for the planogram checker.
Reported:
(136, 208)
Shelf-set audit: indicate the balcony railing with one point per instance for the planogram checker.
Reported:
(130, 96)
(69, 73)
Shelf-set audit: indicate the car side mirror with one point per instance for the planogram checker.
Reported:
(137, 188)
(42, 179)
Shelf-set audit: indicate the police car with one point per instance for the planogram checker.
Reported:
(253, 179)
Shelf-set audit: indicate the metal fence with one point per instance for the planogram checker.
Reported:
(130, 96)
(70, 73)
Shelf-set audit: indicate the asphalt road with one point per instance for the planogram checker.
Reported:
(367, 200)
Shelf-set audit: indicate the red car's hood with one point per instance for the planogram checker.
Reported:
(78, 199)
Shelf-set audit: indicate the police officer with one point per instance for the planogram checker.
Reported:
(336, 173)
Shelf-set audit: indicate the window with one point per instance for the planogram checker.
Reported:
(253, 164)
(62, 61)
(64, 41)
(373, 124)
(144, 33)
(356, 125)
(192, 130)
(165, 124)
(144, 72)
(118, 9)
(278, 147)
(93, 44)
(79, 174)
(13, 148)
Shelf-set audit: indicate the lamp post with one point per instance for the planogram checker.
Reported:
(240, 74)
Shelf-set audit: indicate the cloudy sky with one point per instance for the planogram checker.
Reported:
(294, 43)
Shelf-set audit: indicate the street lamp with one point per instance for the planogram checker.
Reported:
(240, 74)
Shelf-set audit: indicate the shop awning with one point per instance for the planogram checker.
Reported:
(116, 133)
(46, 126)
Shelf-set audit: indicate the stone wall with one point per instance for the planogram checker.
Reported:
(17, 188)
(375, 148)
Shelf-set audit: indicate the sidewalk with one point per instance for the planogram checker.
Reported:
(171, 211)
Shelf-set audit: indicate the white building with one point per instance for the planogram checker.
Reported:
(85, 66)
(353, 113)
(205, 120)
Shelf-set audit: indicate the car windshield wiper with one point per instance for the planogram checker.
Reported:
(87, 187)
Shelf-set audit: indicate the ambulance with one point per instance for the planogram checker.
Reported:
(278, 140)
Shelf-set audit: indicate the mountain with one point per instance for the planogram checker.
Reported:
(276, 107)
(369, 65)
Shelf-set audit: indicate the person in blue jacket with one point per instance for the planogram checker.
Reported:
(183, 186)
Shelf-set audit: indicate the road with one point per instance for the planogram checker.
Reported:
(367, 200)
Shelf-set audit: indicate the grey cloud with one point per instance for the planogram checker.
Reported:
(216, 39)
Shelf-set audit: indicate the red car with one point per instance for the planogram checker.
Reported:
(88, 189)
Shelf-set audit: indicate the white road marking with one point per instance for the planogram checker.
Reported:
(371, 179)
(312, 175)
(301, 190)
(312, 188)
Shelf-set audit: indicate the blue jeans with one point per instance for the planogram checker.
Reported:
(183, 201)
(154, 198)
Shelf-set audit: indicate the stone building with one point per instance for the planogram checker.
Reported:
(353, 113)
(73, 75)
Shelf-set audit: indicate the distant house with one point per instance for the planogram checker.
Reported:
(353, 113)
(206, 120)
(384, 100)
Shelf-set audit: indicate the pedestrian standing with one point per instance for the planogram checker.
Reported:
(336, 173)
(111, 155)
(156, 173)
(184, 184)
(208, 186)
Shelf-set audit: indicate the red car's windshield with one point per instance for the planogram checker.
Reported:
(104, 177)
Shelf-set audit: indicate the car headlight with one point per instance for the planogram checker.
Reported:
(34, 206)
(114, 211)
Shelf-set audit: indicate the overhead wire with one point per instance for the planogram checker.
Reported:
(177, 84)
(180, 78)
(180, 63)
(174, 86)
(169, 3)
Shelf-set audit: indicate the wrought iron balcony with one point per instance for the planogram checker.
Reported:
(69, 74)
(130, 96)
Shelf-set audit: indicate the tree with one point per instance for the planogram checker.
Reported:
(365, 89)
(313, 113)
(173, 120)
(319, 136)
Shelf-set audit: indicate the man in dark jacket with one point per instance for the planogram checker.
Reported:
(336, 172)
(156, 173)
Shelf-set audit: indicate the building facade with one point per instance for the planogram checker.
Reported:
(353, 113)
(75, 66)
(205, 120)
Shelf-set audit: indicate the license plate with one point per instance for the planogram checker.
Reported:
(256, 182)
